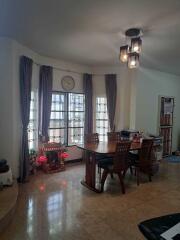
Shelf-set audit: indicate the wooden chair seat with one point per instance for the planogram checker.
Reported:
(103, 163)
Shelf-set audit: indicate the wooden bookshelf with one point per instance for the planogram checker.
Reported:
(166, 123)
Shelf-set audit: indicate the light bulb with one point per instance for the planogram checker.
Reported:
(135, 49)
(125, 57)
(133, 63)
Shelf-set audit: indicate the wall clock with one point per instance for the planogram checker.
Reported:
(67, 83)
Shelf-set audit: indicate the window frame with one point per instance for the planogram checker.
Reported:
(101, 120)
(63, 111)
(66, 115)
(33, 121)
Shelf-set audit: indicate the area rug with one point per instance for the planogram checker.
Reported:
(173, 159)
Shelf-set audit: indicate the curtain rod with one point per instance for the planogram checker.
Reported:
(72, 71)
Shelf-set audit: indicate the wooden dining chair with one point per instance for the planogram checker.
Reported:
(114, 136)
(144, 163)
(91, 138)
(94, 138)
(119, 164)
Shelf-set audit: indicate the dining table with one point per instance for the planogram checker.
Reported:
(91, 150)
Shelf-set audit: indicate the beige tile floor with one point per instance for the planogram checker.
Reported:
(8, 200)
(8, 197)
(57, 206)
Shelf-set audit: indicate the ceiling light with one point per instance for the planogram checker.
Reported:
(128, 53)
(133, 60)
(124, 53)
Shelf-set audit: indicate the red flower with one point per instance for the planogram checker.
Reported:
(41, 159)
(63, 155)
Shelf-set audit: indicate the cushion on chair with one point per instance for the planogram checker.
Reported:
(133, 158)
(101, 156)
(104, 163)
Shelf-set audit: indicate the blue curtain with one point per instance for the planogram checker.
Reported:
(45, 99)
(88, 91)
(25, 98)
(111, 93)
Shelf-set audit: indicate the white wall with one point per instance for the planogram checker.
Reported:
(10, 120)
(137, 95)
(122, 116)
(6, 100)
(149, 85)
(137, 98)
(19, 50)
(58, 75)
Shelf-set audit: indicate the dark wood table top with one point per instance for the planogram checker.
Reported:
(105, 147)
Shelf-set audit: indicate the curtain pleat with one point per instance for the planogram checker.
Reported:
(45, 99)
(88, 91)
(111, 93)
(25, 99)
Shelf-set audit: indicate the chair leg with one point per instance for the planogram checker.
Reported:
(137, 175)
(150, 179)
(135, 172)
(103, 179)
(131, 170)
(99, 171)
(124, 173)
(121, 182)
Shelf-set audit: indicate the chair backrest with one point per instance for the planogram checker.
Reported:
(114, 136)
(91, 138)
(120, 161)
(145, 153)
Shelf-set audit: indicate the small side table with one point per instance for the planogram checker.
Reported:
(53, 165)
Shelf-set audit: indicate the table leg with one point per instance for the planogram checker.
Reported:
(90, 172)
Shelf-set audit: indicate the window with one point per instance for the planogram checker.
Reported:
(58, 125)
(32, 127)
(67, 118)
(102, 124)
(75, 118)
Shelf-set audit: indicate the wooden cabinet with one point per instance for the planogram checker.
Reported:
(166, 123)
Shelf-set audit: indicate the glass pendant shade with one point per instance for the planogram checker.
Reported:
(124, 53)
(133, 60)
(136, 45)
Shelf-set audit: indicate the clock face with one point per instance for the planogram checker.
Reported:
(67, 83)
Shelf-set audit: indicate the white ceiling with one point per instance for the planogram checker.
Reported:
(91, 31)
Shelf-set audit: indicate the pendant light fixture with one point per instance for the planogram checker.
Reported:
(130, 54)
(124, 50)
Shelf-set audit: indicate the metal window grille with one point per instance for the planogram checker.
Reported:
(32, 127)
(102, 124)
(67, 118)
